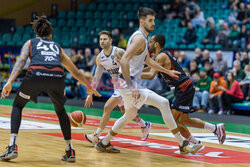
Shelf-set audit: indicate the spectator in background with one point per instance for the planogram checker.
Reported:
(245, 60)
(76, 58)
(211, 35)
(176, 54)
(215, 94)
(198, 19)
(220, 65)
(115, 36)
(206, 57)
(242, 14)
(195, 77)
(232, 18)
(87, 59)
(237, 71)
(231, 94)
(193, 67)
(233, 36)
(92, 63)
(243, 37)
(185, 17)
(221, 37)
(238, 56)
(202, 87)
(122, 42)
(189, 36)
(183, 61)
(210, 70)
(198, 57)
(172, 10)
(245, 83)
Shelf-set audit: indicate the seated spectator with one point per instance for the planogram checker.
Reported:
(245, 60)
(233, 36)
(87, 59)
(210, 70)
(189, 36)
(238, 56)
(215, 94)
(193, 67)
(201, 95)
(185, 18)
(242, 14)
(221, 37)
(198, 57)
(76, 58)
(242, 38)
(231, 94)
(183, 61)
(115, 36)
(210, 37)
(195, 77)
(245, 83)
(154, 84)
(198, 19)
(122, 42)
(232, 18)
(171, 10)
(220, 65)
(206, 57)
(237, 71)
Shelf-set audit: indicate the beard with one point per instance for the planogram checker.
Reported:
(152, 49)
(148, 30)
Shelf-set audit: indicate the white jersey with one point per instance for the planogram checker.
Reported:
(136, 64)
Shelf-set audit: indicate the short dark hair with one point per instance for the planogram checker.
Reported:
(42, 27)
(144, 11)
(160, 39)
(108, 33)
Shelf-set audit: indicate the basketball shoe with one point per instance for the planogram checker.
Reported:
(189, 147)
(220, 132)
(11, 153)
(69, 156)
(92, 138)
(145, 130)
(106, 148)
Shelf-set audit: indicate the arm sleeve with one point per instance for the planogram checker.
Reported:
(98, 74)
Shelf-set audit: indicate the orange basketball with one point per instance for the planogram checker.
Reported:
(77, 118)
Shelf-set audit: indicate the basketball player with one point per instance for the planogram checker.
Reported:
(132, 63)
(45, 73)
(108, 59)
(184, 92)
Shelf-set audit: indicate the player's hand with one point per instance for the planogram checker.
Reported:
(6, 90)
(88, 101)
(136, 93)
(173, 74)
(93, 91)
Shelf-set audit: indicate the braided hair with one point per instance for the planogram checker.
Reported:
(42, 27)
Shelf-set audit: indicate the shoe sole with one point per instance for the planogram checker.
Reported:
(222, 131)
(11, 156)
(100, 149)
(70, 160)
(86, 137)
(148, 132)
(201, 147)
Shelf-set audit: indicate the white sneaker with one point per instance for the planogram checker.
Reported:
(92, 138)
(189, 147)
(220, 133)
(220, 112)
(210, 111)
(145, 131)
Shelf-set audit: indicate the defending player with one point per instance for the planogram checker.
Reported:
(45, 73)
(108, 60)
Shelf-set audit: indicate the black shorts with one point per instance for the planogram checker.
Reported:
(184, 94)
(37, 81)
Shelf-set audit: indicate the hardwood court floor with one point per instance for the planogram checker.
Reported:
(42, 147)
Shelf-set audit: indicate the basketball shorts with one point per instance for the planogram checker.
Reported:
(117, 94)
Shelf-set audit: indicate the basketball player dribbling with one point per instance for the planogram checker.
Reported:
(184, 92)
(132, 64)
(108, 59)
(45, 73)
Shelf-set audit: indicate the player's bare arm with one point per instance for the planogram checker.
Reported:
(18, 67)
(119, 53)
(137, 45)
(151, 63)
(68, 64)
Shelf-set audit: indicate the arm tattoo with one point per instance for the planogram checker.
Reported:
(18, 67)
(121, 52)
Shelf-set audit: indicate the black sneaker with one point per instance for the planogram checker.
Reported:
(11, 153)
(69, 156)
(106, 148)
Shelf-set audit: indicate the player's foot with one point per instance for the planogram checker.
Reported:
(220, 132)
(92, 138)
(11, 153)
(188, 147)
(69, 156)
(145, 131)
(106, 148)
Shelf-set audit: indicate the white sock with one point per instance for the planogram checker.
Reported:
(193, 140)
(179, 138)
(99, 132)
(107, 139)
(69, 145)
(209, 127)
(142, 123)
(13, 137)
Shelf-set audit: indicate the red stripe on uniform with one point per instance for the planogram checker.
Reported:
(45, 68)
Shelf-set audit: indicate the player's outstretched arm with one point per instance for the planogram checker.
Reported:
(119, 53)
(98, 73)
(137, 44)
(151, 63)
(18, 67)
(78, 74)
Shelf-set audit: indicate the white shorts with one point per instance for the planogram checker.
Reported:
(117, 94)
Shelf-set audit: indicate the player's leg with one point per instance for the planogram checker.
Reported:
(108, 107)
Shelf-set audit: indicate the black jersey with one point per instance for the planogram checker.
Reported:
(44, 52)
(174, 66)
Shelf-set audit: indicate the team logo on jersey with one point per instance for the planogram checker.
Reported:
(113, 60)
(50, 51)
